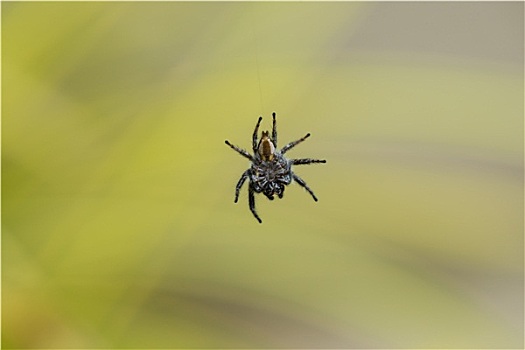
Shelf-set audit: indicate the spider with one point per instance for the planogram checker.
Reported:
(270, 170)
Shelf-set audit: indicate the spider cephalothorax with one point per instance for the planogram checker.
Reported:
(270, 171)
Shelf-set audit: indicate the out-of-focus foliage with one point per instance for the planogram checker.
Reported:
(118, 223)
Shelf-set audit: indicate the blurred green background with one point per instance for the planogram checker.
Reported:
(118, 223)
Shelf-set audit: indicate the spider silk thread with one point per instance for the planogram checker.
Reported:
(257, 64)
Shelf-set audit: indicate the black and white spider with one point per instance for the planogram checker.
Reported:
(270, 170)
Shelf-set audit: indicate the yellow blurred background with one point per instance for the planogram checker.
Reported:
(118, 223)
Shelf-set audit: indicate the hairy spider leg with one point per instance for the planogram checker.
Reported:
(251, 200)
(303, 184)
(294, 143)
(254, 138)
(240, 150)
(306, 161)
(274, 131)
(240, 183)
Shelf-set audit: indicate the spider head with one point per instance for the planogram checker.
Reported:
(272, 189)
(266, 147)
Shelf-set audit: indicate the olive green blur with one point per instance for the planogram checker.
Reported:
(118, 223)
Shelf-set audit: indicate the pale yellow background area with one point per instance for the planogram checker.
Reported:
(118, 223)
